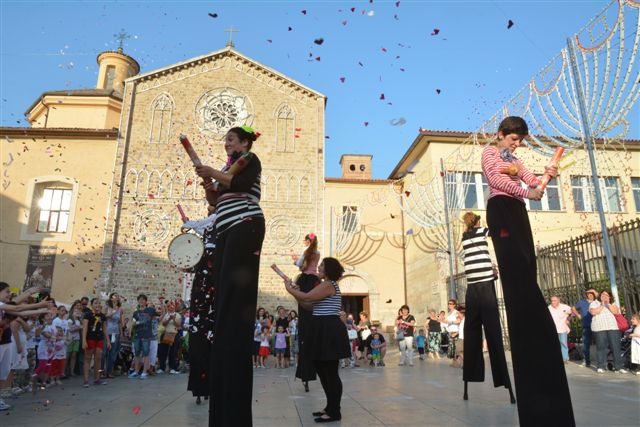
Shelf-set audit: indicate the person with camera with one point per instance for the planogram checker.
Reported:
(170, 340)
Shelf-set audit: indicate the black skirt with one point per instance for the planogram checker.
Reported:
(329, 339)
(305, 369)
(201, 330)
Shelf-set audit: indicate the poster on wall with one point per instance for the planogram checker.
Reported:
(40, 266)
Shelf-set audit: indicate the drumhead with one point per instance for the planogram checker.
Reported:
(185, 250)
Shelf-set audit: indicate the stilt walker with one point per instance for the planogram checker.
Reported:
(540, 378)
(481, 307)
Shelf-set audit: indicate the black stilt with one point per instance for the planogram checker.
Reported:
(465, 396)
(198, 400)
(511, 396)
(306, 386)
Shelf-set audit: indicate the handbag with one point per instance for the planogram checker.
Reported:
(365, 333)
(400, 334)
(622, 322)
(168, 338)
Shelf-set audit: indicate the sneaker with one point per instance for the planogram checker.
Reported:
(382, 363)
(133, 375)
(401, 364)
(160, 371)
(411, 365)
(622, 371)
(173, 371)
(4, 406)
(100, 382)
(637, 372)
(143, 376)
(85, 384)
(600, 371)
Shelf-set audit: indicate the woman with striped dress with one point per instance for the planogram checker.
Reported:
(329, 341)
(481, 306)
(239, 231)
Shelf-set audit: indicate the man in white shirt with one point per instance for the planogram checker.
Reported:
(560, 314)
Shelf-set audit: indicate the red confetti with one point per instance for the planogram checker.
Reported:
(383, 49)
(296, 136)
(318, 58)
(151, 196)
(189, 181)
(381, 96)
(407, 193)
(353, 9)
(344, 23)
(366, 124)
(435, 32)
(136, 410)
(298, 129)
(397, 4)
(269, 40)
(342, 79)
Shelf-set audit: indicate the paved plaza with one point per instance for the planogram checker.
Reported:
(430, 393)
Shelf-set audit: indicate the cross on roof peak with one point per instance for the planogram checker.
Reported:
(231, 31)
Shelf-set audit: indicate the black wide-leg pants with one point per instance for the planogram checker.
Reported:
(540, 379)
(481, 307)
(236, 269)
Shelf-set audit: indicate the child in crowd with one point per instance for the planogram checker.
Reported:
(257, 332)
(60, 322)
(93, 327)
(46, 351)
(458, 360)
(264, 348)
(27, 358)
(375, 349)
(421, 339)
(352, 333)
(635, 342)
(281, 346)
(75, 328)
(19, 364)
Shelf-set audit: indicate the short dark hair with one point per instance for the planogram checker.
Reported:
(513, 124)
(143, 296)
(3, 286)
(332, 268)
(84, 299)
(243, 135)
(404, 306)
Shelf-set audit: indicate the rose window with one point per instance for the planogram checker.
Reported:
(218, 110)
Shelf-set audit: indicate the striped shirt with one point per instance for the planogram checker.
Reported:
(329, 306)
(477, 261)
(502, 184)
(242, 199)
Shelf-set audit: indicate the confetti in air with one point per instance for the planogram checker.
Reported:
(509, 24)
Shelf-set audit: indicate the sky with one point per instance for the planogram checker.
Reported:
(387, 68)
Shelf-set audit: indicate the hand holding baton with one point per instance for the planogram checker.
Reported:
(182, 214)
(190, 151)
(554, 162)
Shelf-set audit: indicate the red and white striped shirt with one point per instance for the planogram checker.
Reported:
(502, 184)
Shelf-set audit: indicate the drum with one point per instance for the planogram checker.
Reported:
(185, 250)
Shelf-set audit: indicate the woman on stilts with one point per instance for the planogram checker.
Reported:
(481, 307)
(240, 231)
(540, 378)
(306, 281)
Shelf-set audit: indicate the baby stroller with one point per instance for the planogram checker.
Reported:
(625, 351)
(124, 359)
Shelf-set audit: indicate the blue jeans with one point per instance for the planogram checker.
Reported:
(109, 356)
(608, 340)
(564, 346)
(586, 344)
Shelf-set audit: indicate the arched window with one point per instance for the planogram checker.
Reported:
(285, 129)
(51, 204)
(161, 112)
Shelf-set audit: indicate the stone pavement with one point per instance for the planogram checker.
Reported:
(428, 394)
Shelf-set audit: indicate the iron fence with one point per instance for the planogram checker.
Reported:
(568, 268)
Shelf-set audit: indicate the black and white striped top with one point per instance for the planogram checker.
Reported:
(477, 261)
(329, 306)
(242, 199)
